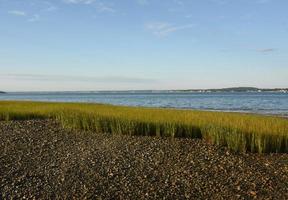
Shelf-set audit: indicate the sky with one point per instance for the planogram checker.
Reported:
(73, 45)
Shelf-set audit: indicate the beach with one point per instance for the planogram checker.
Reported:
(41, 160)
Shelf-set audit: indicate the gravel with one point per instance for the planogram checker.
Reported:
(41, 160)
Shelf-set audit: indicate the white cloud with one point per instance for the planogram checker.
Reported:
(65, 78)
(266, 50)
(79, 1)
(18, 13)
(30, 18)
(49, 7)
(34, 18)
(99, 5)
(221, 2)
(163, 28)
(263, 1)
(143, 2)
(179, 2)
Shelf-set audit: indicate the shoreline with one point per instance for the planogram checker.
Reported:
(43, 160)
(282, 115)
(239, 132)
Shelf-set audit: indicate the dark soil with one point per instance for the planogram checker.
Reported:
(39, 159)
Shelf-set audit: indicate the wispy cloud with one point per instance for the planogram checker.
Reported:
(103, 79)
(79, 1)
(34, 18)
(102, 7)
(143, 2)
(99, 5)
(179, 2)
(49, 7)
(263, 1)
(28, 17)
(17, 13)
(266, 50)
(163, 28)
(221, 2)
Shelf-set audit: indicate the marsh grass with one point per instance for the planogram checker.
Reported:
(239, 132)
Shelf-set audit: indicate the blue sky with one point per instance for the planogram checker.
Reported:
(142, 44)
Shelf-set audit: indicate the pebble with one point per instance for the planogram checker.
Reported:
(41, 160)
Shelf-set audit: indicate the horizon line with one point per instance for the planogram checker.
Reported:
(150, 90)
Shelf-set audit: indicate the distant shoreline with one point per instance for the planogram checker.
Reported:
(249, 112)
(211, 126)
(231, 89)
(242, 89)
(264, 103)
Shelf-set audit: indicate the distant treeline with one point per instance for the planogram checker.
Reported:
(232, 89)
(240, 89)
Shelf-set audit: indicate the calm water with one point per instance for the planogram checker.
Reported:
(264, 103)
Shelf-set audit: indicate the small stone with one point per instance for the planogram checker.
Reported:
(252, 193)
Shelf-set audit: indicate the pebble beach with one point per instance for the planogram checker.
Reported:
(41, 160)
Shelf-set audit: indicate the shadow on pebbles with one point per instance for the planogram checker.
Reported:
(41, 160)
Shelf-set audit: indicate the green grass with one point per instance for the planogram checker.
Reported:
(240, 132)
